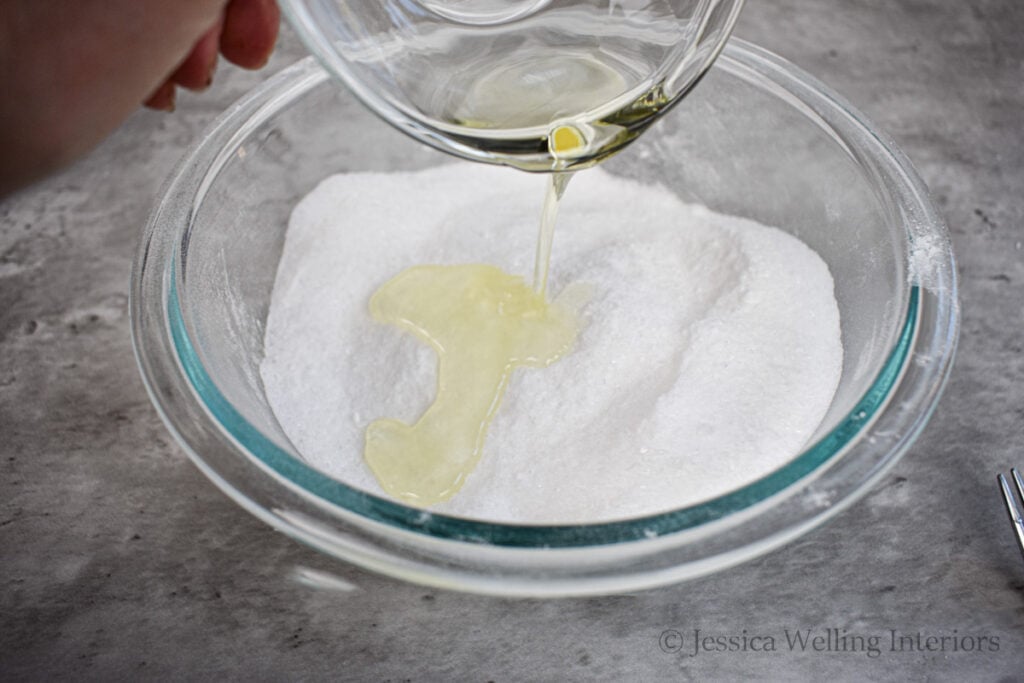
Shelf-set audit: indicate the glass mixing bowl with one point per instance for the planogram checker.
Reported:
(759, 139)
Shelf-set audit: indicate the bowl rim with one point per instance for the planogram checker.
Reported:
(919, 363)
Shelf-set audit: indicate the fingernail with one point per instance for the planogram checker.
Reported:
(163, 98)
(210, 73)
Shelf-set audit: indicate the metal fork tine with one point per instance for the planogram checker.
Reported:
(1014, 510)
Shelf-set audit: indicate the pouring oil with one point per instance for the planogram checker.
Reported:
(482, 322)
(516, 110)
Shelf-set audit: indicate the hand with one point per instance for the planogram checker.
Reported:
(245, 35)
(71, 72)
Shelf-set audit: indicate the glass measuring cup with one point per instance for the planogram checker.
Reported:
(542, 85)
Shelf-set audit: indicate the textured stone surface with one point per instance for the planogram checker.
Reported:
(118, 560)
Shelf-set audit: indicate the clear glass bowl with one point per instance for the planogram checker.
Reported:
(759, 138)
(489, 79)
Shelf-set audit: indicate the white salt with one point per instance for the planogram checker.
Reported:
(709, 351)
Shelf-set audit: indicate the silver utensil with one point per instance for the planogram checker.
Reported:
(1013, 507)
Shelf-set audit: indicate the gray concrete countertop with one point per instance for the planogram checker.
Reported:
(119, 560)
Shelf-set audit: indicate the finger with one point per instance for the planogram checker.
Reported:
(250, 31)
(162, 98)
(196, 72)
